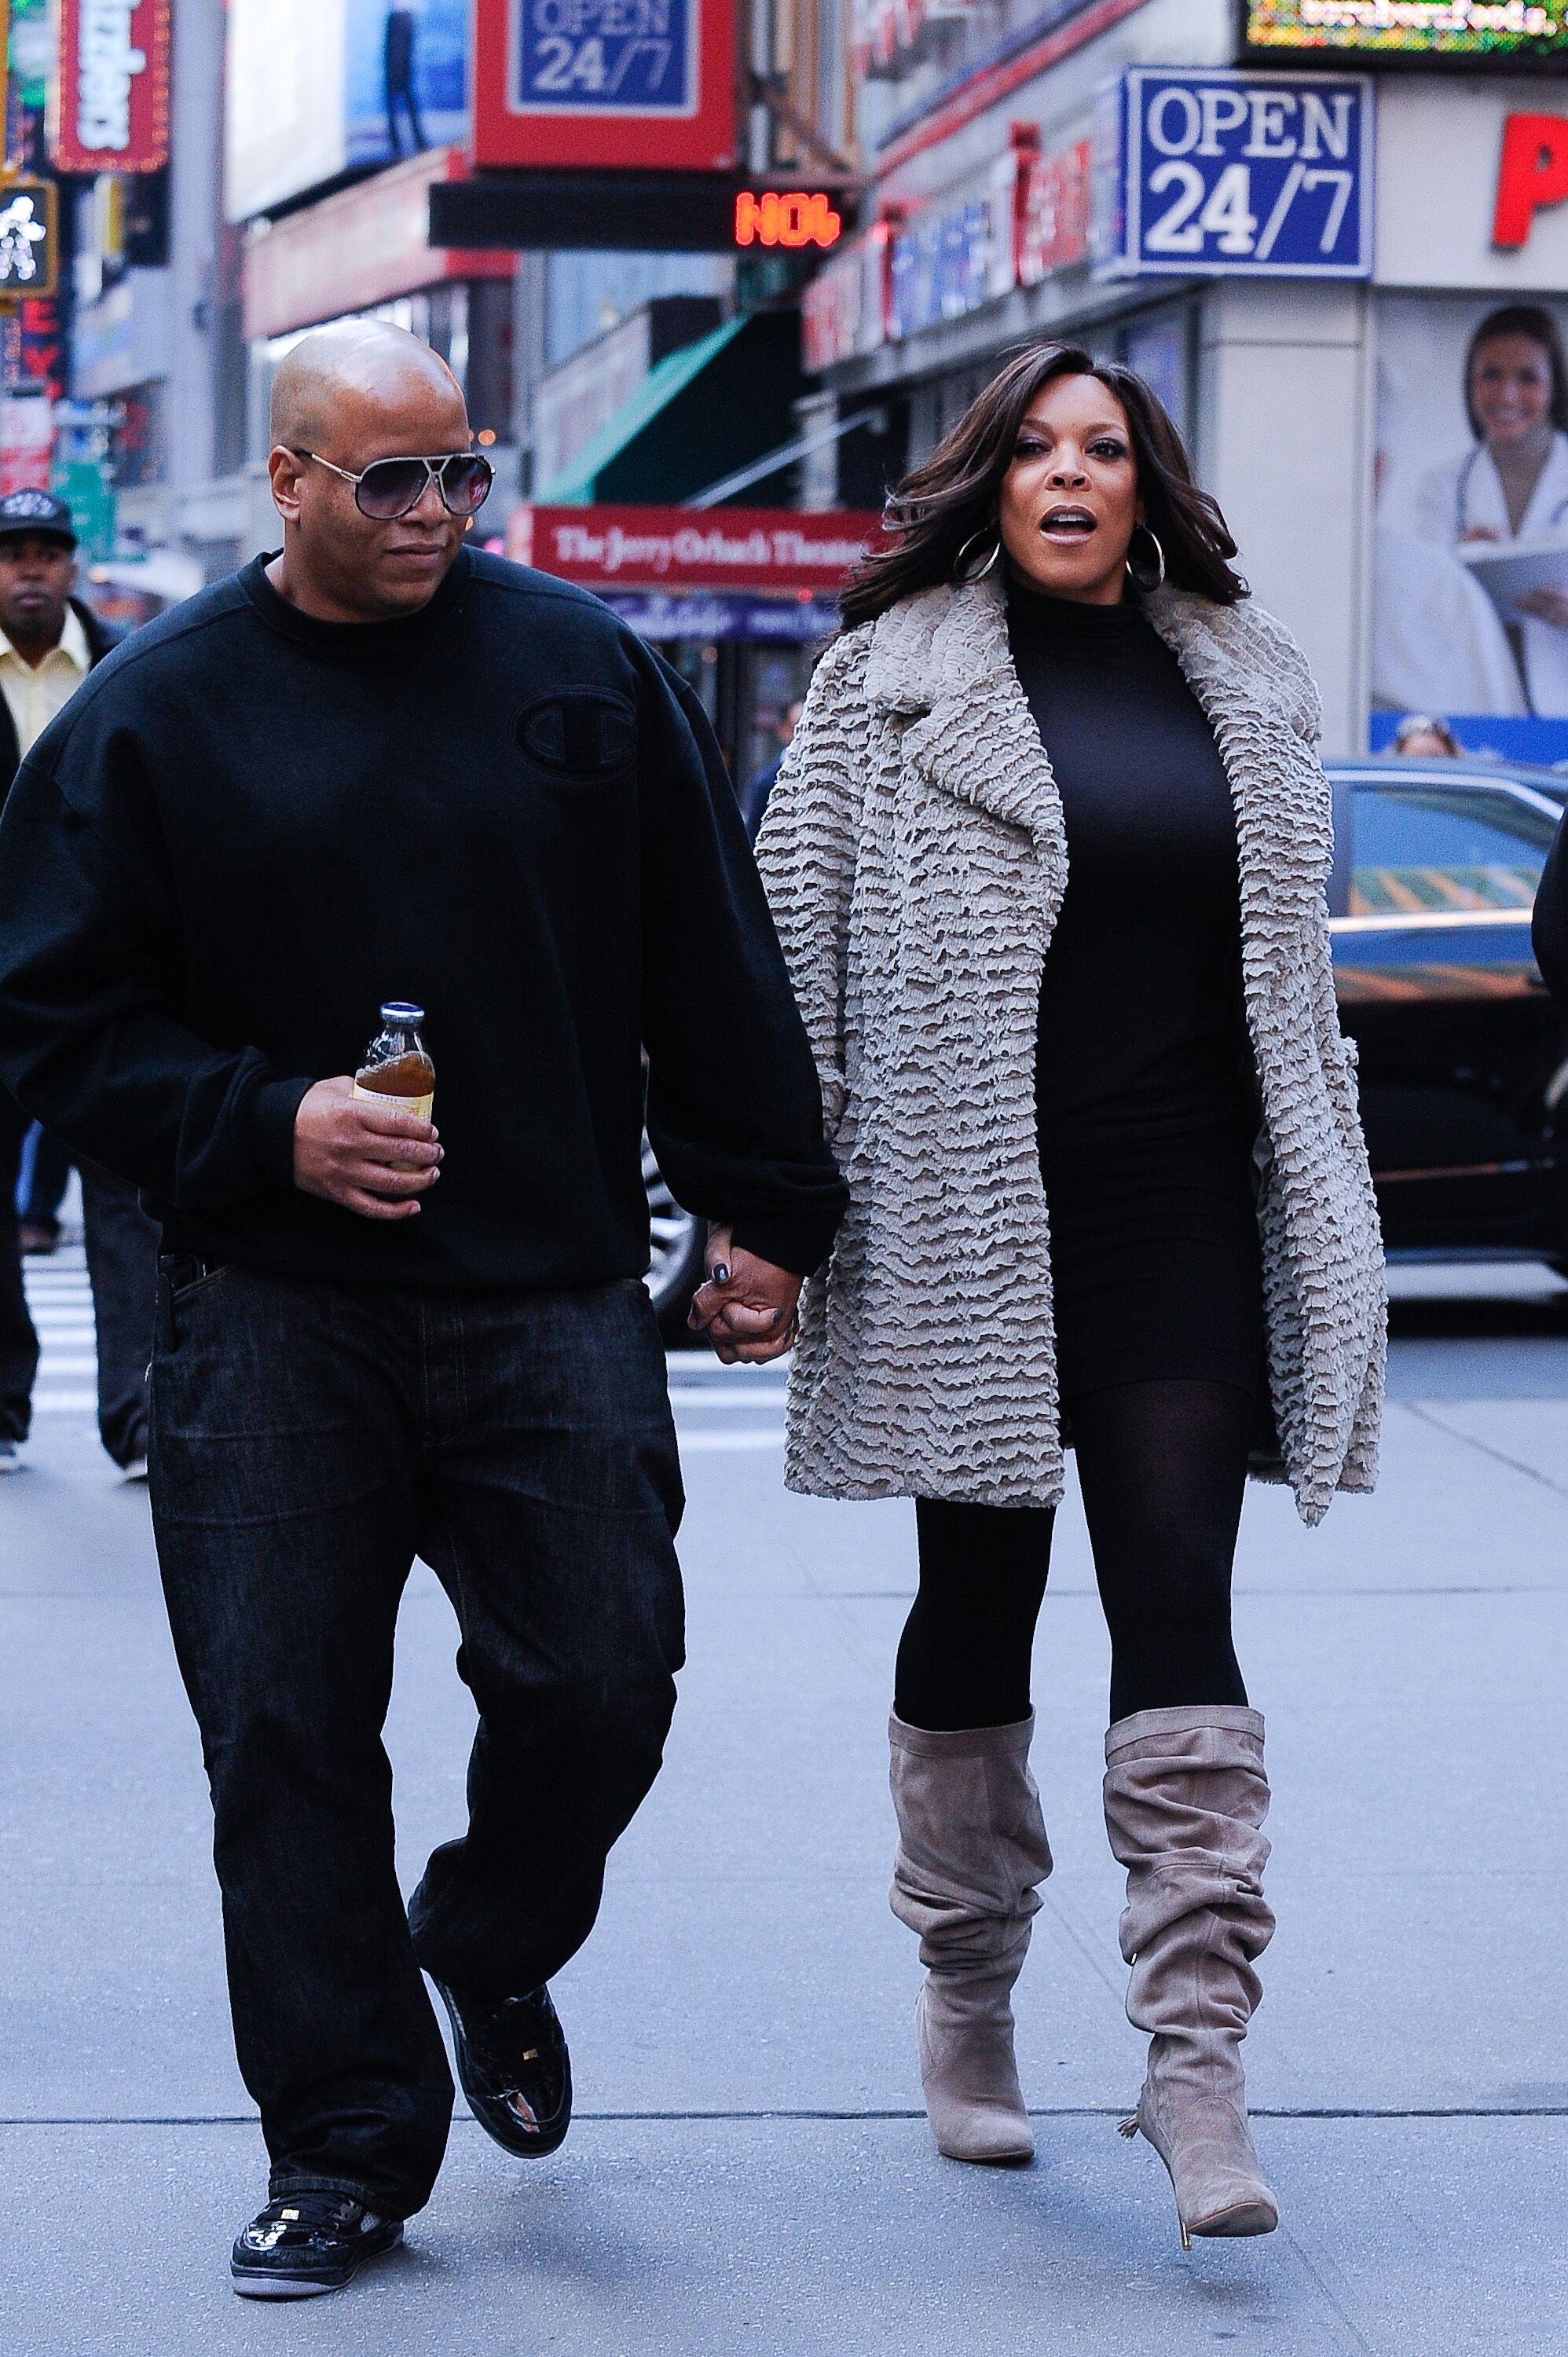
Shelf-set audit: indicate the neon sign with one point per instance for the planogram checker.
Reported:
(109, 103)
(1401, 29)
(793, 221)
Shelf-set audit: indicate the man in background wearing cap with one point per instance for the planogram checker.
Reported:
(48, 642)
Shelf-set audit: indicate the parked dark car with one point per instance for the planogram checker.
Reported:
(1463, 1069)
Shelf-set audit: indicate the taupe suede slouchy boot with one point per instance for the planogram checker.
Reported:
(972, 1847)
(1186, 1797)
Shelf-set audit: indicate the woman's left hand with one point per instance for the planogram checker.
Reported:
(1545, 605)
(746, 1307)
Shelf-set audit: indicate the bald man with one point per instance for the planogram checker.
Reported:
(381, 765)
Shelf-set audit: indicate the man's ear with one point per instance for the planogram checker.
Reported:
(286, 471)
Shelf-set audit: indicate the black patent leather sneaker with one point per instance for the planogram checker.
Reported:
(306, 2243)
(515, 2069)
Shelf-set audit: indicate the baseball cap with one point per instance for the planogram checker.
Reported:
(40, 512)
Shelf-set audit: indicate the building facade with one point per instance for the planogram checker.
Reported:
(1296, 245)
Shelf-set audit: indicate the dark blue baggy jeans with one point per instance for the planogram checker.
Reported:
(307, 1442)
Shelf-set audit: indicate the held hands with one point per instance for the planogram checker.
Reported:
(746, 1306)
(350, 1151)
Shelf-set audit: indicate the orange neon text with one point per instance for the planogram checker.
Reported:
(795, 219)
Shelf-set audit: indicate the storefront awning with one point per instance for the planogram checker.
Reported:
(700, 414)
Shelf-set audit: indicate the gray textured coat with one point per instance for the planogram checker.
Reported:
(914, 856)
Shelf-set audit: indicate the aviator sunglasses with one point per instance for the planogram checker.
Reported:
(390, 487)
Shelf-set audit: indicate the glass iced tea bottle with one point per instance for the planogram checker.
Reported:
(397, 1067)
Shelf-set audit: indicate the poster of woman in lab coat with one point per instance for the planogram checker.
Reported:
(1504, 491)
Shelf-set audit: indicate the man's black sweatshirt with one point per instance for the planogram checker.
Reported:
(249, 828)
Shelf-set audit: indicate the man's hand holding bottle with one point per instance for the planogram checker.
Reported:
(374, 1159)
(369, 1143)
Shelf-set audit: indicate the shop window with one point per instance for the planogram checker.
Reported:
(1160, 347)
(1420, 850)
(137, 449)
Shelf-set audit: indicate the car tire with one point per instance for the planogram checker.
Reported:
(677, 1239)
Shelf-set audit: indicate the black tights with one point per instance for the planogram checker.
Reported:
(1162, 1467)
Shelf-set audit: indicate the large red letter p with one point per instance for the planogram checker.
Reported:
(1533, 172)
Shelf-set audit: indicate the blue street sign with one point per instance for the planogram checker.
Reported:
(1203, 174)
(705, 614)
(606, 57)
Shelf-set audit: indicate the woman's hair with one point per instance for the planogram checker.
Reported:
(1521, 320)
(1423, 724)
(943, 503)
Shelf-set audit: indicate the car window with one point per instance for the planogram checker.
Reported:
(1424, 848)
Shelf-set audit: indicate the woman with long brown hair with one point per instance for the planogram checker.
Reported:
(1048, 858)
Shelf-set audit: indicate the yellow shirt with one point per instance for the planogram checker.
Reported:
(36, 692)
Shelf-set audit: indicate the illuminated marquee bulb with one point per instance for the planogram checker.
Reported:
(792, 221)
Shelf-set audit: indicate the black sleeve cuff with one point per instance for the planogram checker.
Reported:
(801, 1245)
(272, 1109)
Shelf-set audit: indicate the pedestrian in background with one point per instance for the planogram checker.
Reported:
(46, 1174)
(754, 800)
(50, 640)
(382, 762)
(1422, 737)
(1047, 859)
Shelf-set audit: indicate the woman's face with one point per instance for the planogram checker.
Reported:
(1069, 499)
(1510, 390)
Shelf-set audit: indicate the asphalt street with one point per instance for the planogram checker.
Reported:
(749, 2169)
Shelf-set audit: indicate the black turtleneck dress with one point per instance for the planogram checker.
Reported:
(1145, 1095)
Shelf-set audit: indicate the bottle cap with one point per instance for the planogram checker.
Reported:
(402, 1012)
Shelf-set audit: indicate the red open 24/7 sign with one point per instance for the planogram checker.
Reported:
(638, 84)
(110, 103)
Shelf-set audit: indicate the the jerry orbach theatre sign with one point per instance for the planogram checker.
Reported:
(691, 548)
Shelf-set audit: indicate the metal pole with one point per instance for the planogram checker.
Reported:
(10, 318)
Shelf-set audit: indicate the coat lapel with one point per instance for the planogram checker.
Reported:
(941, 663)
(942, 660)
(1257, 697)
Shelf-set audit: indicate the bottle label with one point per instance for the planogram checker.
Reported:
(418, 1105)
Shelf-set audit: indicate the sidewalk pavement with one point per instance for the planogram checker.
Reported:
(749, 2170)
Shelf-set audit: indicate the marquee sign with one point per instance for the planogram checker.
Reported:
(1205, 174)
(783, 550)
(604, 83)
(108, 106)
(1407, 32)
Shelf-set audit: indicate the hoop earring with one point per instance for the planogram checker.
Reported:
(966, 580)
(1141, 580)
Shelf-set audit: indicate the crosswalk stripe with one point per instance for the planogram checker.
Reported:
(59, 1300)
